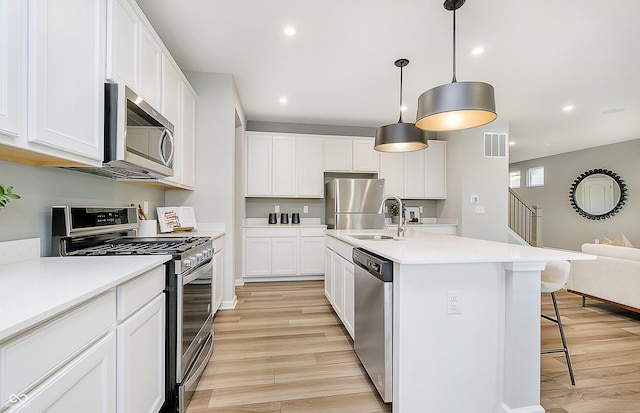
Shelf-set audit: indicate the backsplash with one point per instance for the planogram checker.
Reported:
(43, 187)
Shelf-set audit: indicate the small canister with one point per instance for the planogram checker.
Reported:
(273, 218)
(295, 218)
(284, 218)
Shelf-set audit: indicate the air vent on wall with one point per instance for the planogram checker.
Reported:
(495, 145)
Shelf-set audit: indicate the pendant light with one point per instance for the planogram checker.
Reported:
(400, 137)
(457, 105)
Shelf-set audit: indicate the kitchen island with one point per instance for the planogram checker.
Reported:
(486, 358)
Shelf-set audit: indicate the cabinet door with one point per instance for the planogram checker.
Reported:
(12, 44)
(123, 43)
(150, 85)
(309, 167)
(328, 274)
(392, 171)
(348, 314)
(257, 258)
(188, 135)
(338, 285)
(141, 363)
(284, 166)
(436, 170)
(171, 109)
(218, 280)
(338, 154)
(258, 164)
(67, 53)
(86, 384)
(284, 254)
(365, 158)
(414, 174)
(311, 255)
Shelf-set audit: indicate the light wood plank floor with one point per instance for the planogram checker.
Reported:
(283, 350)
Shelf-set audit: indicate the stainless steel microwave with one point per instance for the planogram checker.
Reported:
(138, 139)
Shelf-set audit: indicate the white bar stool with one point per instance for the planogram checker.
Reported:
(554, 277)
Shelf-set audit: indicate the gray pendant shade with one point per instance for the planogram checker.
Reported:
(400, 137)
(457, 105)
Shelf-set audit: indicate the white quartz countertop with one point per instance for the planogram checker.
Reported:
(34, 290)
(427, 248)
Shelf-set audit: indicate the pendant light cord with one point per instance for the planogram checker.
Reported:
(400, 120)
(454, 80)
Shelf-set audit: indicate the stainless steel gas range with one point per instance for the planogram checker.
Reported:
(100, 231)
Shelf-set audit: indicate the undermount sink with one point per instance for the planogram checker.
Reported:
(373, 237)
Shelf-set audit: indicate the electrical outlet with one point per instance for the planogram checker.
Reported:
(276, 209)
(475, 199)
(145, 206)
(454, 306)
(305, 209)
(421, 209)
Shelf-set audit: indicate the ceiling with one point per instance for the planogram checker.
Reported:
(540, 56)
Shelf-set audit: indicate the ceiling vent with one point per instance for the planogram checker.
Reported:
(495, 145)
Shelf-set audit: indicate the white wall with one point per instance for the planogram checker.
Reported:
(214, 196)
(470, 173)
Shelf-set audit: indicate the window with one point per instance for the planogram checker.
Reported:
(514, 179)
(535, 176)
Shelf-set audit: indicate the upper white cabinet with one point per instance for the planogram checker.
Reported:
(416, 175)
(348, 154)
(150, 84)
(123, 43)
(12, 76)
(283, 166)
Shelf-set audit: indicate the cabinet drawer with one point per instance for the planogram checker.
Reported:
(139, 291)
(343, 249)
(271, 232)
(29, 358)
(218, 244)
(312, 232)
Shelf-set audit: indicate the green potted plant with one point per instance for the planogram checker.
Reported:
(395, 211)
(6, 195)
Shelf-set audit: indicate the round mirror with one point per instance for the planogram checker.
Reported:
(598, 194)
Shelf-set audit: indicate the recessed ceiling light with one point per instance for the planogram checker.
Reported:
(512, 143)
(547, 145)
(289, 30)
(403, 108)
(283, 100)
(568, 108)
(477, 50)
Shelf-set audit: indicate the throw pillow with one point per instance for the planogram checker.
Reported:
(620, 241)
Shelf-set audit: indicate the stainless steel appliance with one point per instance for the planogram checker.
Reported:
(354, 203)
(138, 139)
(374, 318)
(99, 231)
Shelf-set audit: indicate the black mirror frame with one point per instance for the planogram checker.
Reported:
(616, 208)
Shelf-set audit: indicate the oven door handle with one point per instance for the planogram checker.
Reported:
(197, 273)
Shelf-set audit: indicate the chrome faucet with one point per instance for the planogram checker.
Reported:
(402, 223)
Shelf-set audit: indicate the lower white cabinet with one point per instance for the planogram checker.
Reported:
(87, 384)
(140, 366)
(285, 251)
(340, 283)
(217, 284)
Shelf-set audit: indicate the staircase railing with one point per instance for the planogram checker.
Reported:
(525, 220)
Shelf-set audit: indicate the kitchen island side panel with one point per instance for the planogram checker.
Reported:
(448, 362)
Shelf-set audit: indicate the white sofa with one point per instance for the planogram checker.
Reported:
(614, 277)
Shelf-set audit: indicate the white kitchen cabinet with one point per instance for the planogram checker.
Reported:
(13, 25)
(284, 166)
(171, 108)
(283, 251)
(150, 85)
(350, 154)
(340, 281)
(123, 43)
(416, 175)
(141, 364)
(87, 384)
(218, 280)
(309, 167)
(67, 49)
(187, 138)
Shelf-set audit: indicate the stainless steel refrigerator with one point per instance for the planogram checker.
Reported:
(354, 203)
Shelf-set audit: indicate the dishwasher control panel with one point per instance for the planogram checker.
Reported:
(376, 265)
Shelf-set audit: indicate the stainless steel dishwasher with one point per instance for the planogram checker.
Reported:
(374, 318)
